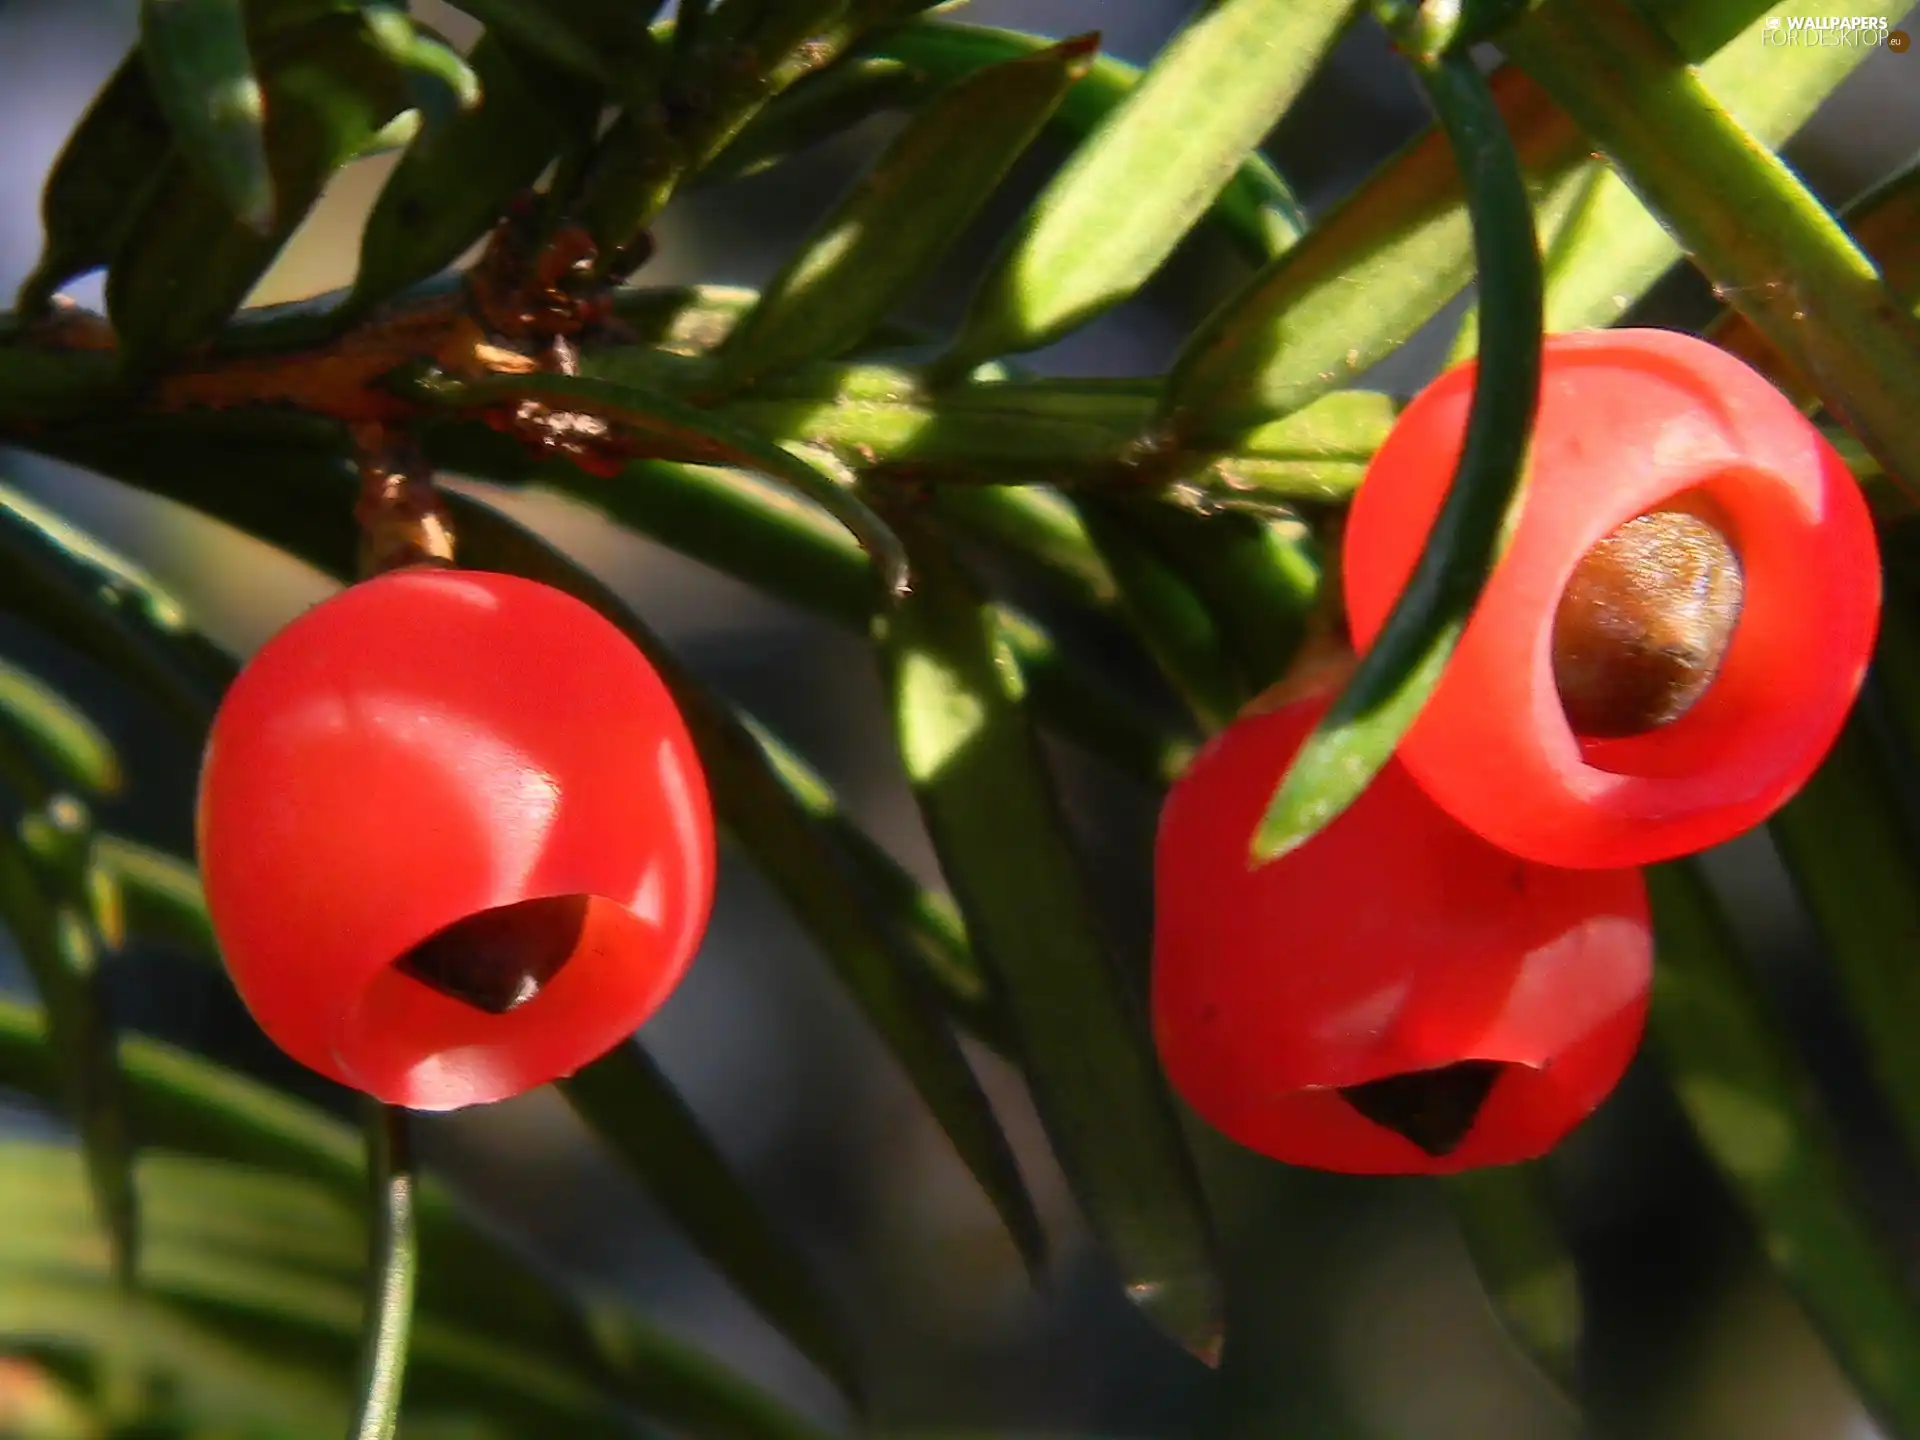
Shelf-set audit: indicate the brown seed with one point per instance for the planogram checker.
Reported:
(1644, 624)
(1435, 1109)
(498, 960)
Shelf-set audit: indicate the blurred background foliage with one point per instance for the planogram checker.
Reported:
(1357, 1297)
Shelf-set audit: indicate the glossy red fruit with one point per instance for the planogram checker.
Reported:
(456, 839)
(1631, 422)
(1396, 996)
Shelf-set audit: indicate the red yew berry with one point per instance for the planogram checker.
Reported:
(1395, 996)
(1678, 627)
(456, 839)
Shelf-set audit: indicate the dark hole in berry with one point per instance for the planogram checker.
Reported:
(1644, 623)
(1433, 1108)
(498, 960)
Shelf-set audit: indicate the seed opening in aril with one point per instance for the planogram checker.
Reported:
(1435, 1109)
(1644, 624)
(498, 960)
